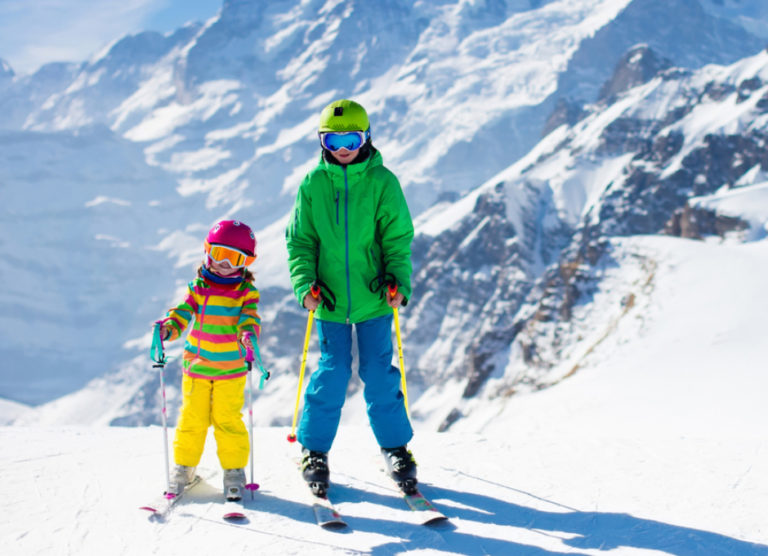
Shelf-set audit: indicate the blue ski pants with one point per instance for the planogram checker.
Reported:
(327, 388)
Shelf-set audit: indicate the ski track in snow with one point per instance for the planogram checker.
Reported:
(583, 495)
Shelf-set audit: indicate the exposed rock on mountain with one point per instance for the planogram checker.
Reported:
(637, 163)
(639, 65)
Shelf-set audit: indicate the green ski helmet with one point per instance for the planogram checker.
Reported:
(343, 115)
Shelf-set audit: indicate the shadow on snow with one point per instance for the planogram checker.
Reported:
(589, 529)
(586, 529)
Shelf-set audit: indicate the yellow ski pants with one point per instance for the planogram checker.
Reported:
(212, 402)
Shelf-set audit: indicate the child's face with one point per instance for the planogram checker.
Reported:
(222, 269)
(343, 156)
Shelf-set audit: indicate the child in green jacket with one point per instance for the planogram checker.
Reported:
(351, 235)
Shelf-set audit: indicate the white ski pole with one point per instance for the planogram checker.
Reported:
(157, 353)
(252, 486)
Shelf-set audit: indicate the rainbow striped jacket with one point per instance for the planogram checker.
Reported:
(223, 313)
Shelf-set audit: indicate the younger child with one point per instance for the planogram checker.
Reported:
(223, 301)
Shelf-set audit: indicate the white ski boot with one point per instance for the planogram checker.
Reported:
(181, 476)
(234, 484)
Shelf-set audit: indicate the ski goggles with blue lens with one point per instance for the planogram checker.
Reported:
(350, 140)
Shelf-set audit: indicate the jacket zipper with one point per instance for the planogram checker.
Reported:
(202, 318)
(337, 207)
(346, 240)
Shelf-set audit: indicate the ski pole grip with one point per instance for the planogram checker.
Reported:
(249, 350)
(392, 289)
(315, 291)
(157, 351)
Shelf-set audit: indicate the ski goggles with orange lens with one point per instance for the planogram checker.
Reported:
(235, 257)
(350, 140)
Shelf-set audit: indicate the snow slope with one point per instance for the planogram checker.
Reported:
(654, 444)
(10, 411)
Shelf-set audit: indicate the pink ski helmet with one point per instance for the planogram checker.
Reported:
(234, 234)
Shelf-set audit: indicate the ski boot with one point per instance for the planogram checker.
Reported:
(314, 469)
(401, 467)
(234, 484)
(181, 476)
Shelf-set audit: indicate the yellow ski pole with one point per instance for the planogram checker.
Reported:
(392, 292)
(315, 291)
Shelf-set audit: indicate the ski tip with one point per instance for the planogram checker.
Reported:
(326, 515)
(334, 525)
(439, 518)
(154, 514)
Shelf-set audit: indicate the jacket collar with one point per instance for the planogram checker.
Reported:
(213, 280)
(355, 168)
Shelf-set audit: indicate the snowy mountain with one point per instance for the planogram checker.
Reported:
(87, 228)
(680, 30)
(532, 251)
(587, 325)
(135, 152)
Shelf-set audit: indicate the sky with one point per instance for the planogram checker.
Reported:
(33, 33)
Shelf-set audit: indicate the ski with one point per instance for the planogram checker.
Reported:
(326, 515)
(426, 513)
(423, 510)
(233, 509)
(163, 505)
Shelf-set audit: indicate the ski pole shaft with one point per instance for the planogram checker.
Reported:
(249, 363)
(165, 430)
(158, 354)
(392, 292)
(315, 291)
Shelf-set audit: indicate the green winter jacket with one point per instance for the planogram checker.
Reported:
(350, 225)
